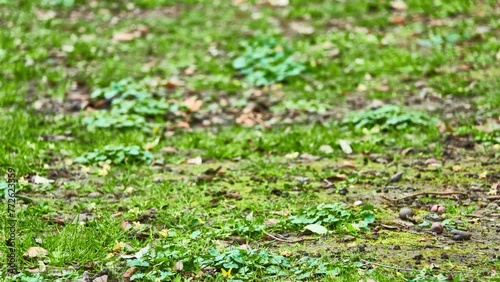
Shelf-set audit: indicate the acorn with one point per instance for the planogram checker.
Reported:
(440, 209)
(437, 209)
(437, 227)
(406, 213)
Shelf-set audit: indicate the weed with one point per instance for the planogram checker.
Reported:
(266, 61)
(334, 216)
(389, 117)
(117, 154)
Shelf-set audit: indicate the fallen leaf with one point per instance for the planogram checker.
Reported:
(190, 70)
(178, 266)
(193, 103)
(348, 164)
(150, 145)
(41, 180)
(327, 149)
(271, 222)
(338, 177)
(398, 5)
(293, 155)
(163, 232)
(457, 168)
(35, 252)
(195, 161)
(302, 28)
(431, 161)
(139, 254)
(483, 175)
(125, 225)
(168, 150)
(278, 3)
(173, 83)
(126, 276)
(124, 36)
(233, 195)
(316, 228)
(397, 19)
(345, 146)
(309, 157)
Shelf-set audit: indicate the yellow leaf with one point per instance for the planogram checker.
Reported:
(226, 274)
(483, 175)
(163, 232)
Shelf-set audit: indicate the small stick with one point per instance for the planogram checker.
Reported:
(493, 197)
(432, 193)
(386, 266)
(285, 240)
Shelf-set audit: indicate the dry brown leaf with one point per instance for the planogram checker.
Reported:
(399, 5)
(35, 252)
(278, 3)
(302, 28)
(348, 164)
(173, 83)
(168, 150)
(183, 124)
(126, 276)
(193, 103)
(124, 36)
(195, 161)
(190, 70)
(397, 19)
(125, 225)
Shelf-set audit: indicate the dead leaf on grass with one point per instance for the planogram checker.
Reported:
(193, 103)
(126, 276)
(35, 252)
(302, 28)
(327, 149)
(278, 3)
(178, 266)
(399, 5)
(124, 36)
(195, 161)
(345, 146)
(168, 150)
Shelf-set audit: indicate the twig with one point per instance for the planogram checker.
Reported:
(286, 240)
(431, 193)
(493, 197)
(386, 266)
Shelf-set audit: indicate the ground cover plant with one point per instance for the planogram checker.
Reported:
(159, 140)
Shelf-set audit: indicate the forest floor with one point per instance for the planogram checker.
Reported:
(161, 140)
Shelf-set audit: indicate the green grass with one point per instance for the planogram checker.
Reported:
(436, 74)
